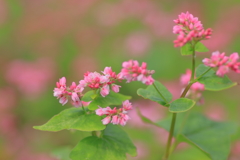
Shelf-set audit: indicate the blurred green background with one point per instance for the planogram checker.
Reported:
(44, 40)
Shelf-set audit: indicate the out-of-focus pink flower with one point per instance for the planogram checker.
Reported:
(224, 63)
(196, 89)
(138, 43)
(115, 88)
(7, 98)
(115, 116)
(104, 91)
(216, 112)
(216, 59)
(106, 120)
(189, 28)
(131, 71)
(31, 78)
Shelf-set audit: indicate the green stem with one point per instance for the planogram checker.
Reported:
(160, 93)
(169, 142)
(94, 133)
(174, 115)
(193, 61)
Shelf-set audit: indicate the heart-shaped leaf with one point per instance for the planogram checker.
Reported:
(211, 81)
(199, 47)
(151, 93)
(181, 105)
(73, 118)
(187, 49)
(112, 145)
(213, 138)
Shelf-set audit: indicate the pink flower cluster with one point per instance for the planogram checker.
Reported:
(189, 28)
(224, 63)
(115, 116)
(196, 88)
(131, 71)
(95, 80)
(62, 92)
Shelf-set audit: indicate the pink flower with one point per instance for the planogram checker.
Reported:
(127, 105)
(95, 80)
(216, 59)
(115, 119)
(115, 116)
(131, 71)
(62, 92)
(222, 70)
(102, 111)
(185, 78)
(115, 88)
(104, 91)
(224, 63)
(106, 120)
(195, 92)
(189, 28)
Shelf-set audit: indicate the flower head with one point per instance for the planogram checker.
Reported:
(115, 116)
(132, 71)
(223, 63)
(189, 28)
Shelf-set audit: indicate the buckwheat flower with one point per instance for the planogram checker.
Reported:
(106, 120)
(61, 91)
(196, 88)
(102, 111)
(189, 28)
(115, 88)
(131, 71)
(223, 63)
(104, 91)
(217, 59)
(115, 119)
(115, 115)
(127, 105)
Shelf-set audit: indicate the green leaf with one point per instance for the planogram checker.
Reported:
(73, 118)
(181, 105)
(211, 81)
(111, 99)
(62, 153)
(112, 145)
(187, 49)
(151, 93)
(199, 47)
(213, 138)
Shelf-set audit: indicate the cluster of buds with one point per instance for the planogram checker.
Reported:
(189, 28)
(196, 89)
(62, 92)
(115, 116)
(95, 80)
(131, 71)
(224, 63)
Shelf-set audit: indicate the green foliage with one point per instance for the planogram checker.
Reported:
(151, 93)
(62, 153)
(211, 81)
(73, 118)
(199, 47)
(97, 100)
(213, 138)
(187, 49)
(181, 105)
(113, 144)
